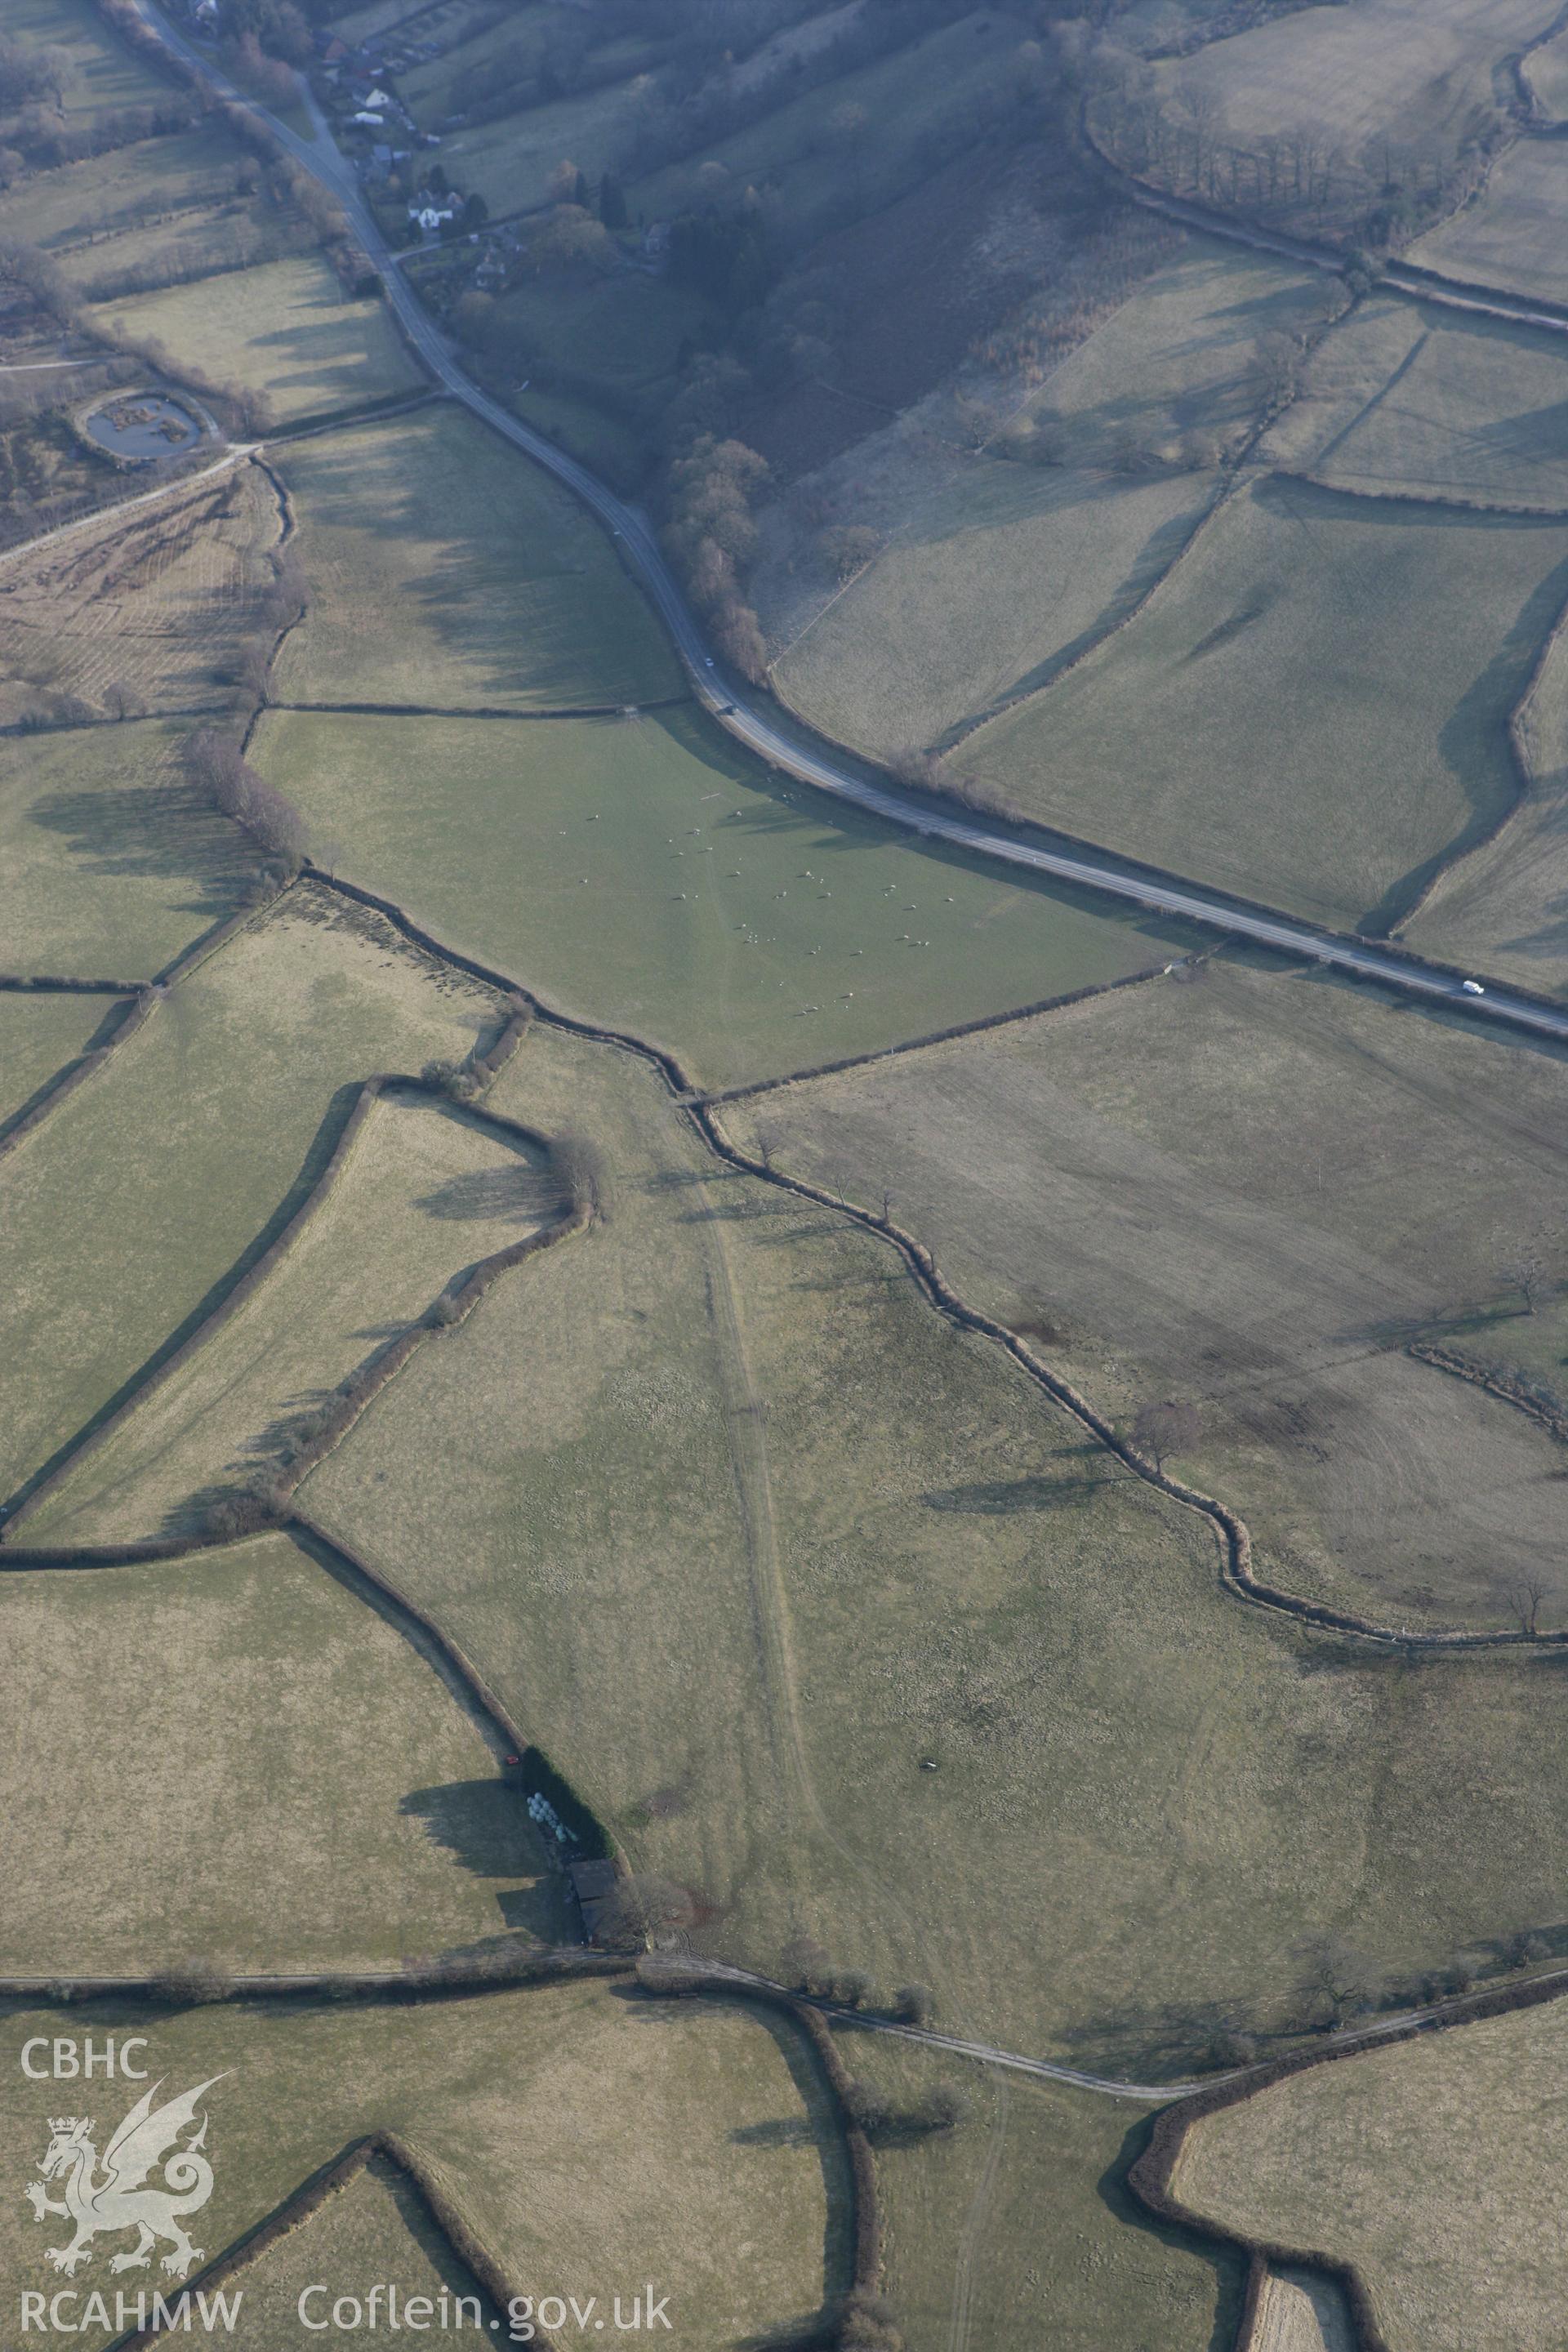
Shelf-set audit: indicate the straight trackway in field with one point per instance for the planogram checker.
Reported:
(1363, 959)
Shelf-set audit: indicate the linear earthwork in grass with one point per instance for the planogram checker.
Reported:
(832, 1616)
(996, 571)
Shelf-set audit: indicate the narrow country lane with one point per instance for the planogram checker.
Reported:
(1160, 893)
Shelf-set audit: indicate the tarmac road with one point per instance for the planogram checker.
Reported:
(1162, 893)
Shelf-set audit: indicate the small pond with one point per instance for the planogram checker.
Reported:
(141, 426)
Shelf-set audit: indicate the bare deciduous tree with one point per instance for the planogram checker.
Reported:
(1338, 1981)
(584, 1175)
(1526, 1594)
(645, 1908)
(1166, 1428)
(1528, 1274)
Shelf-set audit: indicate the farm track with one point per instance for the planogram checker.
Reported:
(752, 1477)
(1230, 1529)
(779, 745)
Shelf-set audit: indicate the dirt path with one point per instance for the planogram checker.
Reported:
(747, 1434)
(1301, 2311)
(961, 2323)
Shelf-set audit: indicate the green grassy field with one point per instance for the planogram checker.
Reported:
(1421, 74)
(376, 2228)
(1249, 1192)
(1000, 570)
(1431, 2167)
(445, 570)
(1511, 235)
(1017, 2228)
(590, 2145)
(749, 1537)
(426, 88)
(818, 168)
(1548, 72)
(284, 329)
(628, 333)
(153, 606)
(140, 1194)
(66, 210)
(1308, 645)
(41, 1035)
(509, 162)
(313, 1796)
(425, 1194)
(1504, 907)
(112, 862)
(1403, 399)
(643, 873)
(103, 74)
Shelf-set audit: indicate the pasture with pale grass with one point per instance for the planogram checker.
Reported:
(346, 1806)
(1310, 710)
(1431, 2167)
(831, 1615)
(140, 1200)
(678, 2134)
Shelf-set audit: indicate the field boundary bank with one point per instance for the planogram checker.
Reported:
(1153, 2173)
(65, 984)
(1518, 64)
(344, 420)
(1230, 487)
(945, 1036)
(679, 1983)
(305, 2201)
(17, 727)
(1235, 1537)
(1497, 1384)
(628, 711)
(1441, 500)
(74, 1073)
(381, 1367)
(1236, 476)
(1410, 278)
(1529, 787)
(147, 995)
(1523, 776)
(308, 2200)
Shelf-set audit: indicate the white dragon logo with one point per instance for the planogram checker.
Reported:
(116, 2199)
